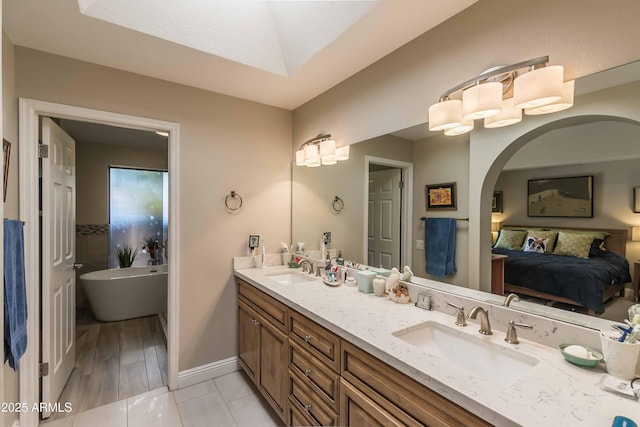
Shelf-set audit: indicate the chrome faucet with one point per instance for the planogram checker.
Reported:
(510, 298)
(307, 266)
(485, 326)
(460, 320)
(512, 335)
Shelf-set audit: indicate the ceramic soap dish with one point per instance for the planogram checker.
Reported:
(591, 358)
(328, 282)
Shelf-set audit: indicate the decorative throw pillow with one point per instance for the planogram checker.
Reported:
(536, 244)
(593, 233)
(597, 247)
(511, 239)
(570, 244)
(552, 236)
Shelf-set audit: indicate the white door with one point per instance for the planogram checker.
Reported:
(384, 218)
(58, 257)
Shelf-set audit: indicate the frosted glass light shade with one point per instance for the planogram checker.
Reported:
(342, 153)
(538, 87)
(507, 116)
(495, 226)
(482, 100)
(314, 164)
(311, 154)
(564, 103)
(466, 126)
(300, 158)
(329, 160)
(446, 114)
(635, 234)
(327, 148)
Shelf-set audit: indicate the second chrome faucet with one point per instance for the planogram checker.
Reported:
(485, 326)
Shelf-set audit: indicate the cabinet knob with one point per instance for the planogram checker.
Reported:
(307, 407)
(307, 372)
(307, 338)
(257, 323)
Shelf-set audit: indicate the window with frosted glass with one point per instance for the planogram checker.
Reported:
(138, 211)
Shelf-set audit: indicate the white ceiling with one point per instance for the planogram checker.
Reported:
(277, 52)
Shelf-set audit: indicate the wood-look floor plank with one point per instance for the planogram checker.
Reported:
(161, 354)
(100, 376)
(102, 386)
(131, 350)
(87, 338)
(108, 343)
(133, 380)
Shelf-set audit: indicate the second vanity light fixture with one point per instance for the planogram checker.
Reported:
(499, 95)
(319, 151)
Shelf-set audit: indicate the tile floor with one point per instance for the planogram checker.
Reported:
(230, 400)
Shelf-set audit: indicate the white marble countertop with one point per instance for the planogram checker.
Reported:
(554, 392)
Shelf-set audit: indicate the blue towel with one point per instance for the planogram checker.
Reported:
(440, 246)
(15, 296)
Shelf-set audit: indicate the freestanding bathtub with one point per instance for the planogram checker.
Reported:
(126, 293)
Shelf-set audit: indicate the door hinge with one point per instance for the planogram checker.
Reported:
(402, 185)
(43, 151)
(43, 369)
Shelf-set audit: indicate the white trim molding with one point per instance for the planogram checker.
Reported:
(30, 111)
(206, 372)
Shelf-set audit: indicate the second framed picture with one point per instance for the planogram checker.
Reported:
(441, 196)
(496, 203)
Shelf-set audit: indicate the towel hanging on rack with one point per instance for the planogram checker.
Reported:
(15, 296)
(440, 246)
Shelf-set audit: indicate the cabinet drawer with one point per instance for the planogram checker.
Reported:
(322, 380)
(359, 410)
(272, 310)
(400, 395)
(315, 339)
(309, 403)
(297, 417)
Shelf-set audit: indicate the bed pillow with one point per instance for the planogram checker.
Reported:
(536, 244)
(511, 239)
(597, 247)
(594, 233)
(571, 244)
(551, 236)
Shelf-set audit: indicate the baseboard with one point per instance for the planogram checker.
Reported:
(206, 372)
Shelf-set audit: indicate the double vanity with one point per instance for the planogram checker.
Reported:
(324, 355)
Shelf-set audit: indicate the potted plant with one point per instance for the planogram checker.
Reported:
(152, 246)
(126, 255)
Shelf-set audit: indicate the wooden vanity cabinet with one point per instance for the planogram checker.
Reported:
(395, 396)
(310, 376)
(263, 345)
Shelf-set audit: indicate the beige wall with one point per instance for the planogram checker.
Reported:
(439, 160)
(10, 133)
(314, 189)
(225, 144)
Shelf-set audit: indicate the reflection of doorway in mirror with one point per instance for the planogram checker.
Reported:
(385, 201)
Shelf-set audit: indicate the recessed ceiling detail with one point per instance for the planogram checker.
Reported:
(278, 36)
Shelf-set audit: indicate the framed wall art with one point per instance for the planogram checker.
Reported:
(496, 203)
(441, 196)
(569, 197)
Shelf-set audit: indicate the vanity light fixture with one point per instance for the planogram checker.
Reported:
(162, 133)
(319, 151)
(500, 94)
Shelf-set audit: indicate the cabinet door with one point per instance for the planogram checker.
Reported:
(273, 370)
(248, 340)
(357, 410)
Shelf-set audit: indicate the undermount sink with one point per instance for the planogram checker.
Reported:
(475, 355)
(292, 278)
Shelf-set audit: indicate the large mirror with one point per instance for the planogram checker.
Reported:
(601, 145)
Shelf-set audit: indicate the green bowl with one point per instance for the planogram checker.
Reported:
(579, 360)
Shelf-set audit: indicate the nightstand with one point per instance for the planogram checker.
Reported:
(636, 280)
(497, 274)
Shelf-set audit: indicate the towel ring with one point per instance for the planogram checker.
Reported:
(337, 205)
(231, 196)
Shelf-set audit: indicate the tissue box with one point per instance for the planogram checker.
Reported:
(381, 271)
(364, 279)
